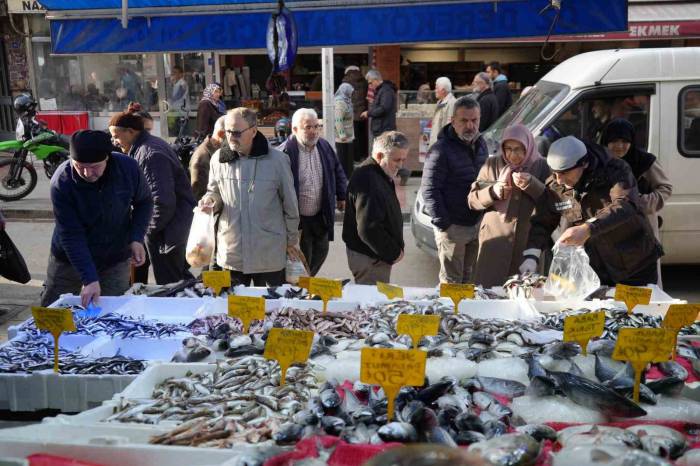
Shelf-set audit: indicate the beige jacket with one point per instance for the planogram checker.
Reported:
(653, 202)
(442, 116)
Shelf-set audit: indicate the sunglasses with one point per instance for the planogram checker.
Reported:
(234, 133)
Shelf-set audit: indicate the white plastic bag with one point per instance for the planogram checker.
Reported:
(570, 276)
(200, 243)
(295, 269)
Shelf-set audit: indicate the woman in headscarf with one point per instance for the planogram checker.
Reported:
(344, 127)
(507, 188)
(653, 184)
(210, 108)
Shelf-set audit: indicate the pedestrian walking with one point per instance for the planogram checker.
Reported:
(487, 100)
(382, 107)
(210, 109)
(354, 77)
(444, 108)
(344, 127)
(501, 89)
(201, 158)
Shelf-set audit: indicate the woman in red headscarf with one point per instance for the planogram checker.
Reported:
(507, 189)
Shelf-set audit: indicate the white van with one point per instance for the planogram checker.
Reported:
(658, 90)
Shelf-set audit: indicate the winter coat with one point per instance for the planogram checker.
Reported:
(334, 181)
(172, 194)
(259, 212)
(622, 243)
(199, 167)
(96, 222)
(502, 93)
(489, 109)
(344, 127)
(451, 167)
(373, 223)
(382, 110)
(442, 116)
(207, 114)
(502, 241)
(359, 95)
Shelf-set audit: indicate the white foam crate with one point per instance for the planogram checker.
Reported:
(142, 387)
(71, 393)
(368, 294)
(313, 304)
(212, 306)
(167, 310)
(146, 349)
(505, 309)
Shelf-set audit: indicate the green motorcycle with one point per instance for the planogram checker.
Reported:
(18, 176)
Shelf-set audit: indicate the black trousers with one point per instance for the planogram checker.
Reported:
(314, 241)
(361, 144)
(169, 266)
(141, 272)
(346, 156)
(648, 274)
(258, 279)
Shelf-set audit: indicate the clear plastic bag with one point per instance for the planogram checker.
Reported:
(295, 269)
(200, 243)
(570, 276)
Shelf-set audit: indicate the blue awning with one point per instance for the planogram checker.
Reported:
(94, 26)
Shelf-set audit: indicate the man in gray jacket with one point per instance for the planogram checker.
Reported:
(251, 185)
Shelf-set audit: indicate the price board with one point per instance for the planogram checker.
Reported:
(679, 316)
(417, 326)
(390, 291)
(288, 347)
(632, 295)
(326, 289)
(246, 309)
(55, 321)
(217, 280)
(457, 292)
(581, 328)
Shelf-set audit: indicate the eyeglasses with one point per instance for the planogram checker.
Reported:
(310, 127)
(234, 133)
(514, 150)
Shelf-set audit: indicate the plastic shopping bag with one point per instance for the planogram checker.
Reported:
(295, 268)
(570, 276)
(200, 243)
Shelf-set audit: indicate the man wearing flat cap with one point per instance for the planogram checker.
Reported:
(597, 197)
(102, 206)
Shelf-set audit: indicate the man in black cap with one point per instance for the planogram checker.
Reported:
(597, 198)
(102, 207)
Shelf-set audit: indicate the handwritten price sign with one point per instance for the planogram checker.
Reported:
(217, 280)
(632, 295)
(55, 321)
(326, 289)
(457, 292)
(246, 309)
(392, 369)
(288, 347)
(581, 328)
(390, 291)
(417, 326)
(679, 316)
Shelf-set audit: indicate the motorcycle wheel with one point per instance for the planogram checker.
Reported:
(15, 189)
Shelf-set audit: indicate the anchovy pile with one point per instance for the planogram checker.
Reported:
(115, 325)
(37, 354)
(523, 286)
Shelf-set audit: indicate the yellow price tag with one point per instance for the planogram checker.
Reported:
(304, 282)
(391, 291)
(679, 316)
(457, 292)
(641, 346)
(632, 295)
(392, 369)
(287, 347)
(55, 321)
(417, 326)
(581, 328)
(217, 280)
(326, 289)
(246, 309)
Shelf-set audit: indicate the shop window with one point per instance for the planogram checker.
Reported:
(587, 117)
(689, 121)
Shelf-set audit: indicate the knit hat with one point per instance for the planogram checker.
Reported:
(89, 146)
(565, 153)
(619, 128)
(127, 120)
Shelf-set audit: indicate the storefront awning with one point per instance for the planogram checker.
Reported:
(95, 26)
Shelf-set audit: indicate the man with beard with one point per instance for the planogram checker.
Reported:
(451, 167)
(251, 185)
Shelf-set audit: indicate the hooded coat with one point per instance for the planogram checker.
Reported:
(505, 228)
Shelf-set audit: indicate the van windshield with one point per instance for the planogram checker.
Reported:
(529, 110)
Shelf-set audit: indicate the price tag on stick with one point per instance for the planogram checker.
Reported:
(288, 347)
(679, 316)
(417, 326)
(326, 289)
(581, 328)
(391, 291)
(246, 309)
(632, 295)
(217, 280)
(392, 369)
(457, 292)
(55, 321)
(304, 282)
(641, 346)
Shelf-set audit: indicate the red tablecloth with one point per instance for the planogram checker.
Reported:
(65, 122)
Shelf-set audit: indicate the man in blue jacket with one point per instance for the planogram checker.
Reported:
(102, 207)
(320, 183)
(451, 167)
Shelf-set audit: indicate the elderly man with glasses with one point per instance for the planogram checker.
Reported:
(251, 186)
(320, 184)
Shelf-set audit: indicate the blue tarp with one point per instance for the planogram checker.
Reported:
(330, 27)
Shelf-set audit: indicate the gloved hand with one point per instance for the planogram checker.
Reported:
(528, 266)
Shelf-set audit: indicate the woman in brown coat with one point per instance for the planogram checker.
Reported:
(507, 189)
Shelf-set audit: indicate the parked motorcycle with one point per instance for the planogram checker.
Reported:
(18, 177)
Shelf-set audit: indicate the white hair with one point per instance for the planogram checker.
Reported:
(220, 124)
(485, 78)
(443, 83)
(373, 75)
(301, 114)
(387, 142)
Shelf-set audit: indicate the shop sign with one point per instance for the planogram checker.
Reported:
(25, 6)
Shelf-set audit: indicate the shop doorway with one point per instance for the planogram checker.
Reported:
(7, 127)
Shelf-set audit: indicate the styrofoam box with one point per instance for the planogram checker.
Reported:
(142, 387)
(333, 306)
(212, 306)
(147, 349)
(368, 294)
(167, 310)
(71, 393)
(505, 309)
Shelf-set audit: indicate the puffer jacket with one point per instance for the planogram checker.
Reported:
(382, 110)
(622, 243)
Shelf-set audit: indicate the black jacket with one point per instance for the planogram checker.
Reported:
(450, 168)
(373, 223)
(172, 194)
(622, 242)
(503, 96)
(382, 110)
(489, 109)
